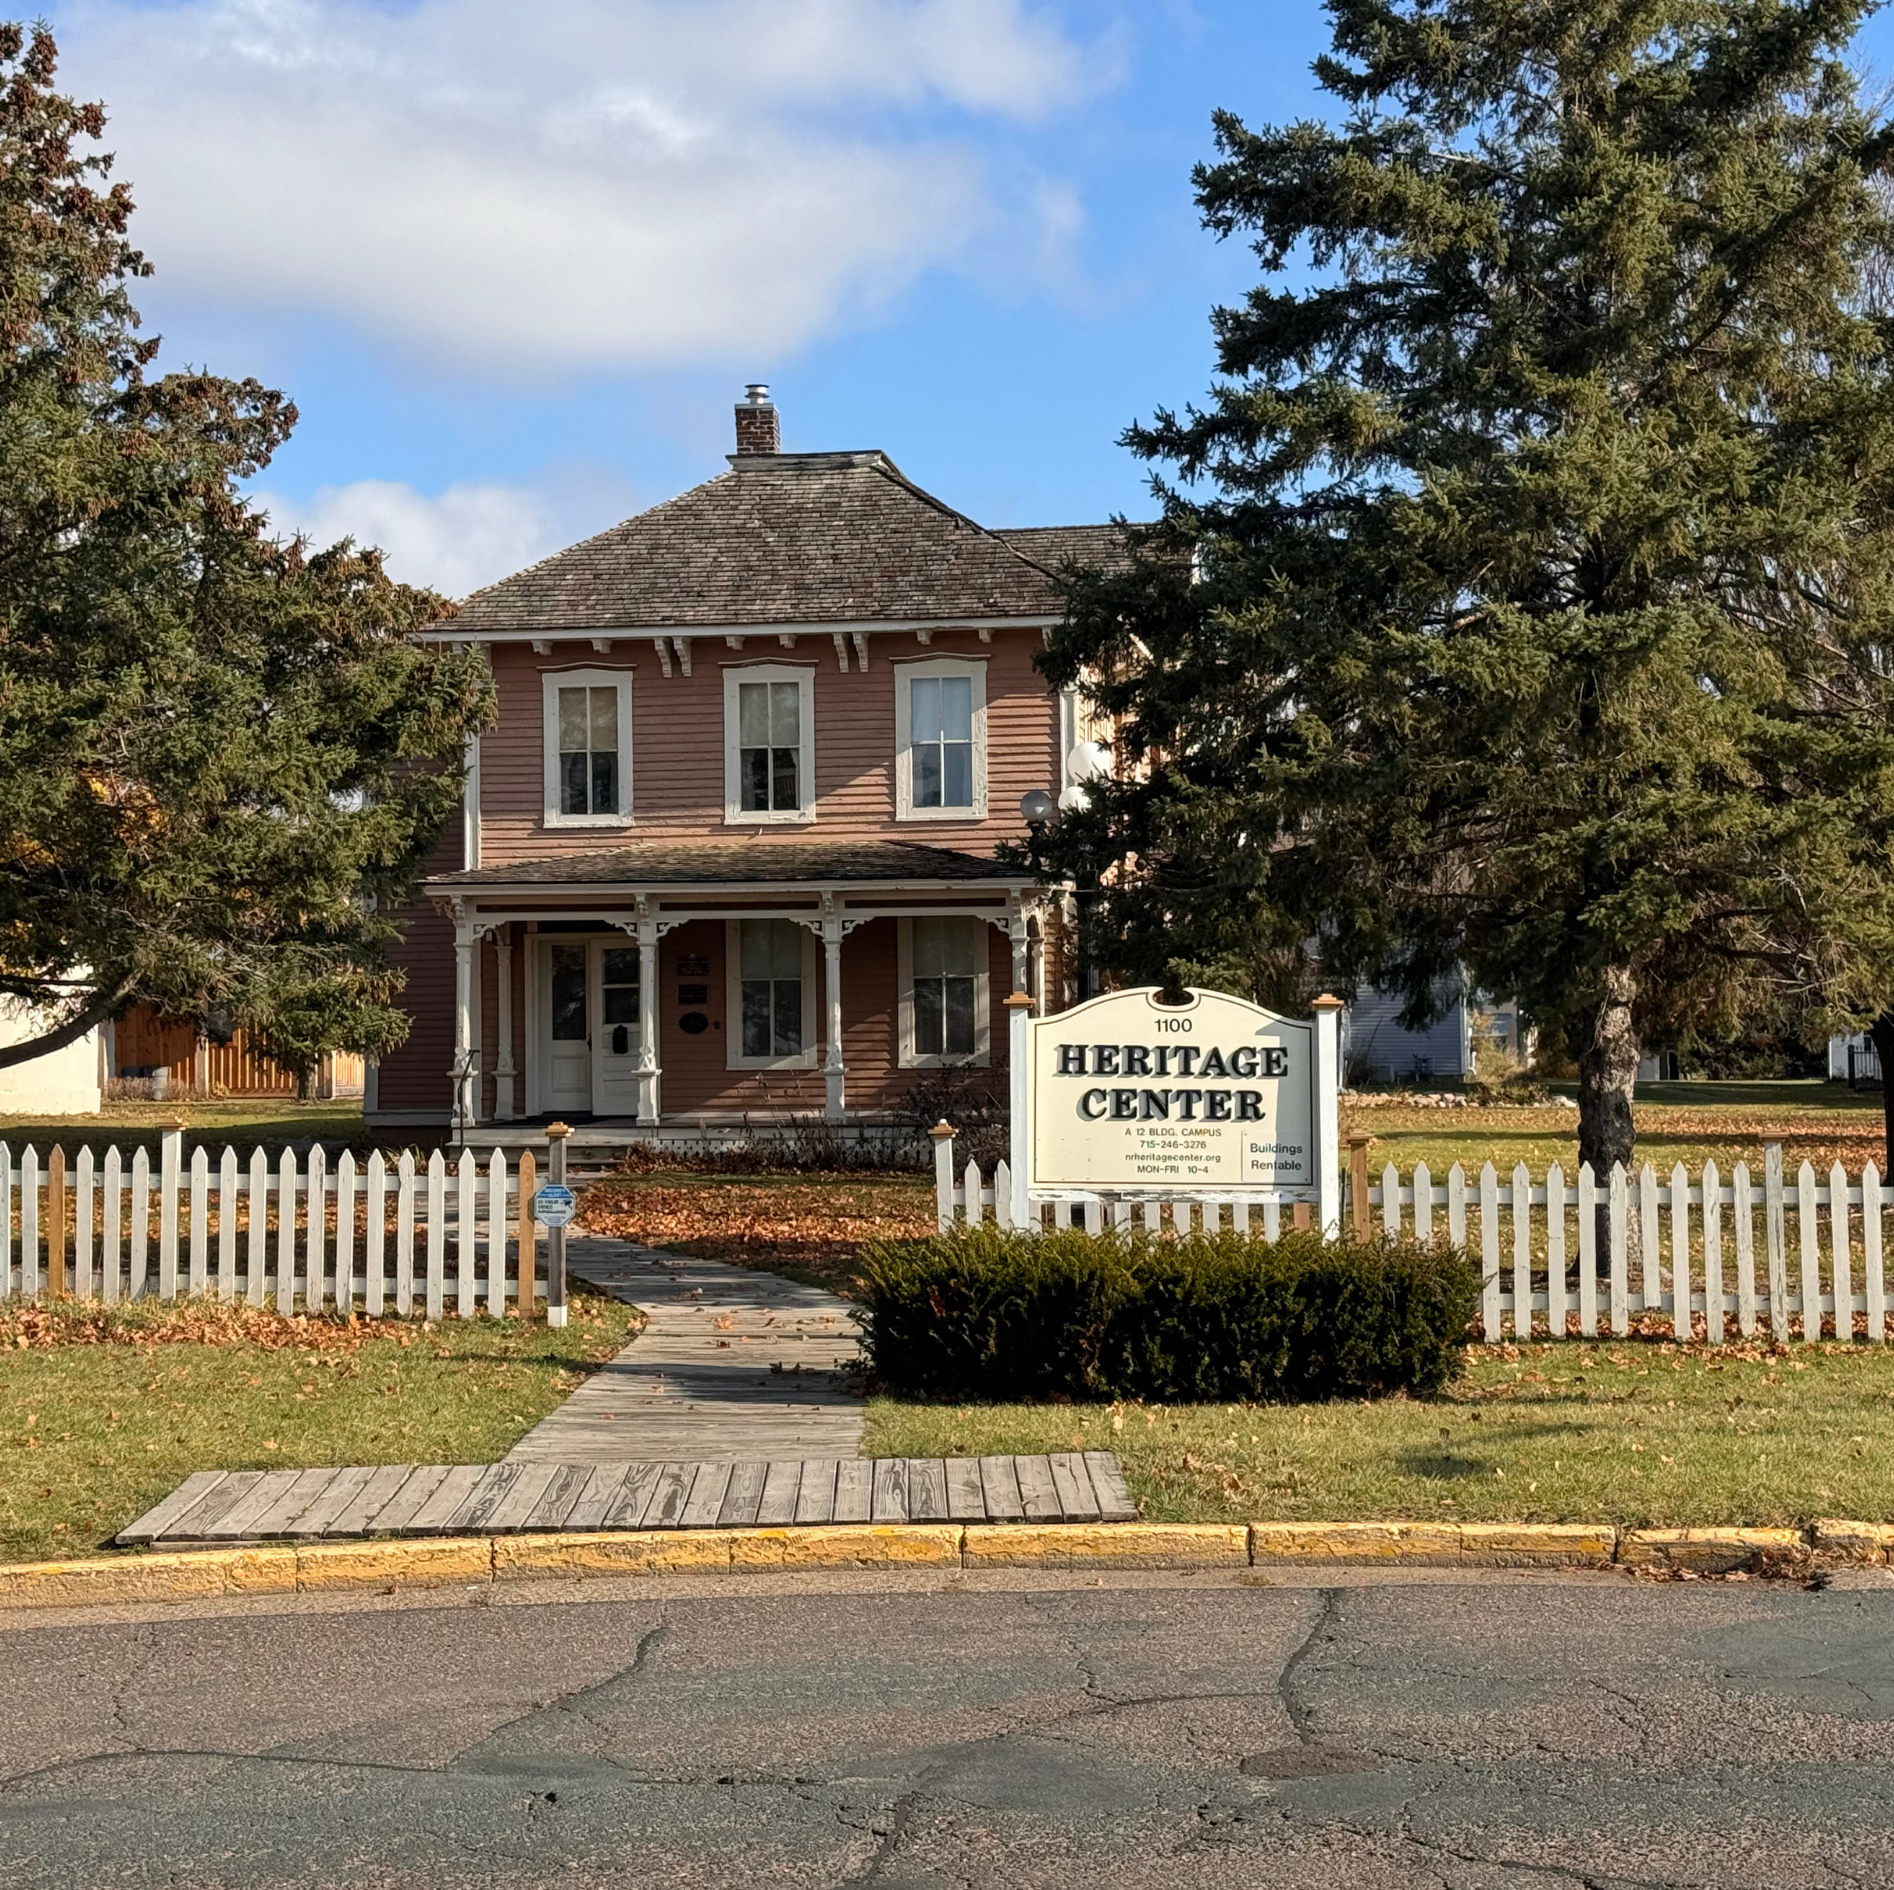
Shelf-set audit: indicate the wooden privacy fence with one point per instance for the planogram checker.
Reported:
(1574, 1258)
(372, 1237)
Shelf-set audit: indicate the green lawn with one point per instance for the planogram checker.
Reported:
(120, 1407)
(1628, 1433)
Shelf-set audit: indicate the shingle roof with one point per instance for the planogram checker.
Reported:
(1097, 547)
(742, 863)
(780, 538)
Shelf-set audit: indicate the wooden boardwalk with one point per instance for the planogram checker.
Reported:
(515, 1496)
(735, 1364)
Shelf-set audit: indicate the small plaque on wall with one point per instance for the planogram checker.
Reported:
(693, 1023)
(693, 994)
(694, 966)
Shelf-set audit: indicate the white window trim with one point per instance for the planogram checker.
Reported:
(907, 1057)
(734, 1059)
(551, 682)
(803, 676)
(972, 667)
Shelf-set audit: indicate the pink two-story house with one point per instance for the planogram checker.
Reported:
(728, 853)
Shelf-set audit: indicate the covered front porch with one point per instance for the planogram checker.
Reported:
(703, 988)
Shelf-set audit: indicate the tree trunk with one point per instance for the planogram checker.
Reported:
(1881, 1035)
(1607, 1074)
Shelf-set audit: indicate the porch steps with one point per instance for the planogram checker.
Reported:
(348, 1503)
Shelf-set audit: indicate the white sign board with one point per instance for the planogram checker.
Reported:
(1128, 1095)
(554, 1205)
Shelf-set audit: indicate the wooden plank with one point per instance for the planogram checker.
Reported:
(161, 1516)
(370, 1500)
(1743, 1212)
(999, 1487)
(1712, 1254)
(781, 1482)
(317, 1518)
(668, 1496)
(1108, 1485)
(744, 1497)
(815, 1490)
(854, 1489)
(240, 1519)
(1806, 1227)
(625, 1508)
(559, 1498)
(397, 1515)
(927, 1489)
(598, 1489)
(282, 1515)
(1037, 1494)
(529, 1489)
(1074, 1485)
(708, 1484)
(477, 1506)
(890, 1489)
(213, 1507)
(460, 1482)
(1875, 1281)
(966, 1497)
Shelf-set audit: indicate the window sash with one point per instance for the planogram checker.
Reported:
(588, 750)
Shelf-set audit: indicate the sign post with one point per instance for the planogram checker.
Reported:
(553, 1207)
(1129, 1097)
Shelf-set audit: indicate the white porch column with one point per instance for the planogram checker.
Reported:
(648, 1070)
(1020, 940)
(504, 1100)
(834, 1069)
(462, 1075)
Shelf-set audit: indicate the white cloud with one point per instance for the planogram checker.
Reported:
(585, 183)
(466, 537)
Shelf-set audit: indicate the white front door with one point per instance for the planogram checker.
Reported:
(568, 1013)
(615, 1005)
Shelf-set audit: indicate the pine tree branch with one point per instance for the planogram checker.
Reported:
(103, 1005)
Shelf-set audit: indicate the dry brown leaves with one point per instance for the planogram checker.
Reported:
(47, 1327)
(819, 1228)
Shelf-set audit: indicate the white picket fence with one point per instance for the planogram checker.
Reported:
(372, 1237)
(1712, 1254)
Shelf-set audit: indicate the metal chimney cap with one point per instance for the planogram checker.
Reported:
(756, 393)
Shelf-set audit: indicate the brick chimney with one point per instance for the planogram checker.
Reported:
(757, 427)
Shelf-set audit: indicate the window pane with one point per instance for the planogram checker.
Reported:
(605, 784)
(956, 708)
(785, 722)
(957, 772)
(572, 784)
(927, 781)
(927, 1017)
(621, 1004)
(753, 943)
(756, 1031)
(960, 941)
(924, 709)
(927, 948)
(788, 1017)
(753, 780)
(784, 795)
(753, 714)
(621, 965)
(568, 993)
(770, 948)
(571, 719)
(959, 1019)
(605, 719)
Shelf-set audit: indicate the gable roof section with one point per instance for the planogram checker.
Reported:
(786, 538)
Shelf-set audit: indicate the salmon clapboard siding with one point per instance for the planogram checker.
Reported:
(677, 742)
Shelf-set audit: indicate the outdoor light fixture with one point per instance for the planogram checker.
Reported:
(1035, 807)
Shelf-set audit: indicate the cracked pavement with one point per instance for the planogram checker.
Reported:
(928, 1732)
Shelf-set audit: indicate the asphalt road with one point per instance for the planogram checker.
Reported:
(1170, 1732)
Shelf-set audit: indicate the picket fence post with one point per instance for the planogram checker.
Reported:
(1777, 1243)
(1587, 1251)
(84, 1188)
(316, 1227)
(496, 1234)
(436, 1234)
(1712, 1253)
(528, 1235)
(170, 1168)
(1811, 1251)
(1522, 1254)
(6, 1224)
(404, 1233)
(1843, 1267)
(140, 1229)
(286, 1233)
(29, 1223)
(228, 1214)
(1557, 1298)
(199, 1277)
(466, 1233)
(943, 1139)
(1875, 1284)
(345, 1232)
(1619, 1229)
(1680, 1252)
(374, 1236)
(112, 1232)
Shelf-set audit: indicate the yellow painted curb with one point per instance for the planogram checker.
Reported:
(1538, 1545)
(848, 1545)
(1841, 1541)
(1714, 1551)
(612, 1552)
(1106, 1545)
(412, 1562)
(1425, 1543)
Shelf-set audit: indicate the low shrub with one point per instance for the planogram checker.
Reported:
(1005, 1317)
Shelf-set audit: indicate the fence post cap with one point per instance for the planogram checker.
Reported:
(1326, 1002)
(942, 1132)
(556, 1131)
(1019, 1001)
(172, 1124)
(1359, 1138)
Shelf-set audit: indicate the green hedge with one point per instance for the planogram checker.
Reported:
(1217, 1318)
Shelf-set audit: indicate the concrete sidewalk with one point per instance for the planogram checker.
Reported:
(735, 1365)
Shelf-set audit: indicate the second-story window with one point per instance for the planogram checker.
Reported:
(940, 739)
(769, 742)
(588, 747)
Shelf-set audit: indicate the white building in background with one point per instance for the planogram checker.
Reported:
(69, 1081)
(1852, 1059)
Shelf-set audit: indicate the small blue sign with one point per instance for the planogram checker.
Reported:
(554, 1205)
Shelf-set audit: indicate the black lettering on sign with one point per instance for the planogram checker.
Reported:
(1071, 1059)
(1155, 1105)
(1275, 1062)
(1249, 1105)
(1092, 1104)
(1124, 1105)
(1187, 1055)
(1187, 1101)
(1243, 1060)
(1213, 1065)
(1137, 1060)
(1104, 1059)
(1216, 1106)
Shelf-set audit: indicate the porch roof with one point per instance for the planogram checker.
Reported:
(776, 863)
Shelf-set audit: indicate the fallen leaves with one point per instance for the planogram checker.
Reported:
(193, 1322)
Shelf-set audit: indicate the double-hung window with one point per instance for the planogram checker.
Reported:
(940, 734)
(771, 992)
(944, 992)
(587, 734)
(769, 748)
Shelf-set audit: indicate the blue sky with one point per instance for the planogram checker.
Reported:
(515, 265)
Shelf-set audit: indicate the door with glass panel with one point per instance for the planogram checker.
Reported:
(566, 1049)
(615, 1044)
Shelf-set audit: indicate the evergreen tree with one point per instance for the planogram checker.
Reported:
(1520, 602)
(221, 758)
